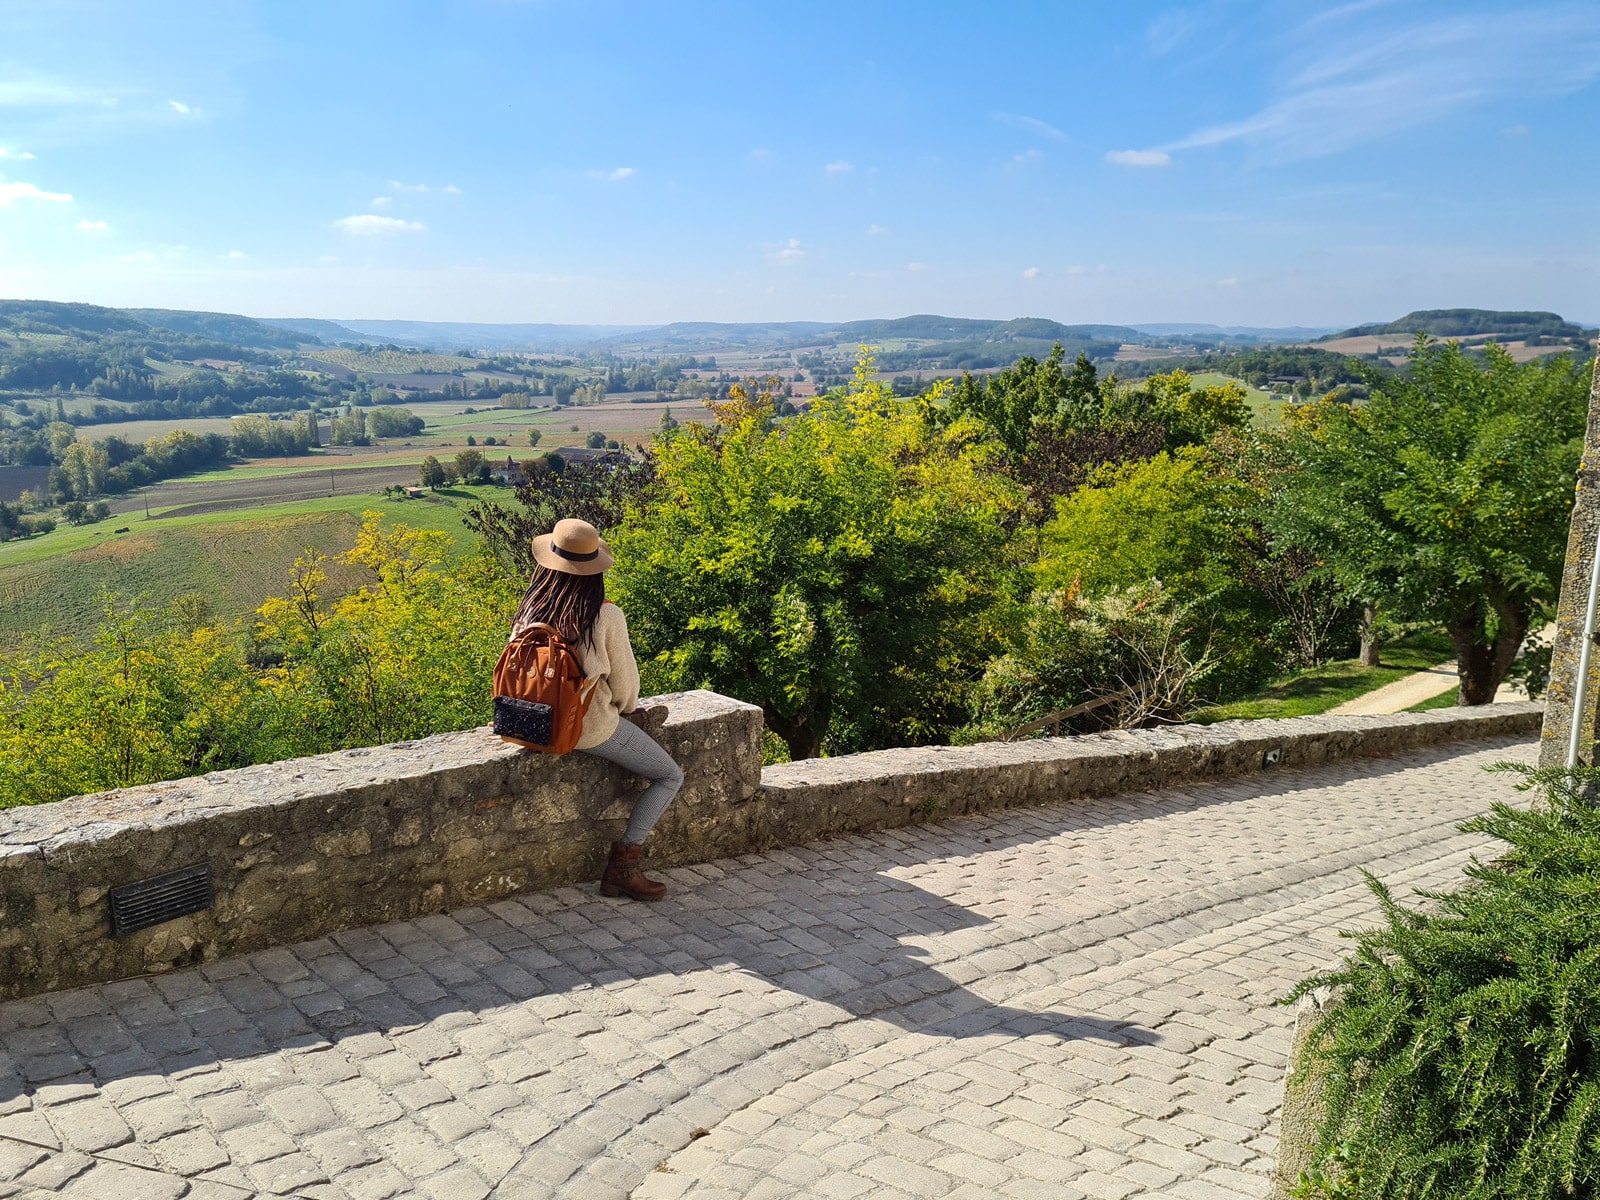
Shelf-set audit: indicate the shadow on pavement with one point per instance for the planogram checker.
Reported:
(830, 935)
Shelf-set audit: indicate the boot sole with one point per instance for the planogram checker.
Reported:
(613, 893)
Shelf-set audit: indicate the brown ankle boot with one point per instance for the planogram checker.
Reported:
(623, 877)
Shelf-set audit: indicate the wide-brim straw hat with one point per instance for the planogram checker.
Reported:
(575, 547)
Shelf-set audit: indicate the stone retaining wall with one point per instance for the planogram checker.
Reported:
(861, 792)
(303, 848)
(312, 845)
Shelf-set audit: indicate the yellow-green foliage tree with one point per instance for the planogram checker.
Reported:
(1164, 518)
(156, 696)
(831, 567)
(167, 694)
(1183, 519)
(405, 657)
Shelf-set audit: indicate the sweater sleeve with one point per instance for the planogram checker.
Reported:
(624, 673)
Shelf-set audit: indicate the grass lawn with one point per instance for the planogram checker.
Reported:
(1442, 700)
(1317, 689)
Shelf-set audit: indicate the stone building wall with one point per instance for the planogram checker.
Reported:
(302, 848)
(1571, 609)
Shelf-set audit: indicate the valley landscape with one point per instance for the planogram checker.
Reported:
(761, 602)
(233, 531)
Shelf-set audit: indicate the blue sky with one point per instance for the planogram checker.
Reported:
(489, 160)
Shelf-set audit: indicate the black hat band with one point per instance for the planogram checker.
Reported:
(571, 557)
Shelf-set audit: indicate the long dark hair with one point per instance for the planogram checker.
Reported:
(569, 602)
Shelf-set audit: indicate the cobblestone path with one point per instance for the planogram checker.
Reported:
(1059, 1002)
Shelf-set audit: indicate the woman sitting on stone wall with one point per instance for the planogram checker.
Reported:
(568, 591)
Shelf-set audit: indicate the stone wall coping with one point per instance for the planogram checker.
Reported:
(1303, 740)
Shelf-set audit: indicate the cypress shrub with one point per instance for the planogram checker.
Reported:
(1460, 1059)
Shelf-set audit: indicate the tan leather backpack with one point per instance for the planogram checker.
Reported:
(540, 695)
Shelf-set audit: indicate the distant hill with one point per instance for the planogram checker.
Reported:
(318, 330)
(468, 335)
(686, 337)
(1471, 322)
(968, 329)
(223, 327)
(46, 316)
(1249, 333)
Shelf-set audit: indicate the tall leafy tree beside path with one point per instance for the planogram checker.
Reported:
(1446, 496)
(831, 567)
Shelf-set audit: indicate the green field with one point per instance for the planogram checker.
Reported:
(1263, 408)
(394, 362)
(1317, 689)
(54, 586)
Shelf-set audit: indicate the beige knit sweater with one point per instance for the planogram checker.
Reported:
(609, 664)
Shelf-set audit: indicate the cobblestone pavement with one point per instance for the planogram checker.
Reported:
(1059, 1002)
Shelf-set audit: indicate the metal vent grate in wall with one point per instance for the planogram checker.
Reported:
(152, 901)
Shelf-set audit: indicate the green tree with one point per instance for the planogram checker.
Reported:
(668, 422)
(468, 462)
(831, 568)
(85, 467)
(533, 436)
(432, 473)
(595, 441)
(394, 422)
(1446, 496)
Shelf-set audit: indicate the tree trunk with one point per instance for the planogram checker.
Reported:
(1482, 666)
(1369, 644)
(803, 740)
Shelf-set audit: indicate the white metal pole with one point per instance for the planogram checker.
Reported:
(1580, 691)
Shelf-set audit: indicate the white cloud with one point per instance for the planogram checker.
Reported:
(1031, 273)
(235, 254)
(380, 202)
(35, 93)
(875, 229)
(138, 256)
(372, 225)
(329, 258)
(92, 228)
(789, 253)
(1077, 269)
(838, 167)
(451, 189)
(1138, 158)
(1230, 281)
(1171, 29)
(10, 193)
(620, 174)
(916, 266)
(760, 154)
(1357, 80)
(179, 107)
(1032, 125)
(1028, 157)
(407, 187)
